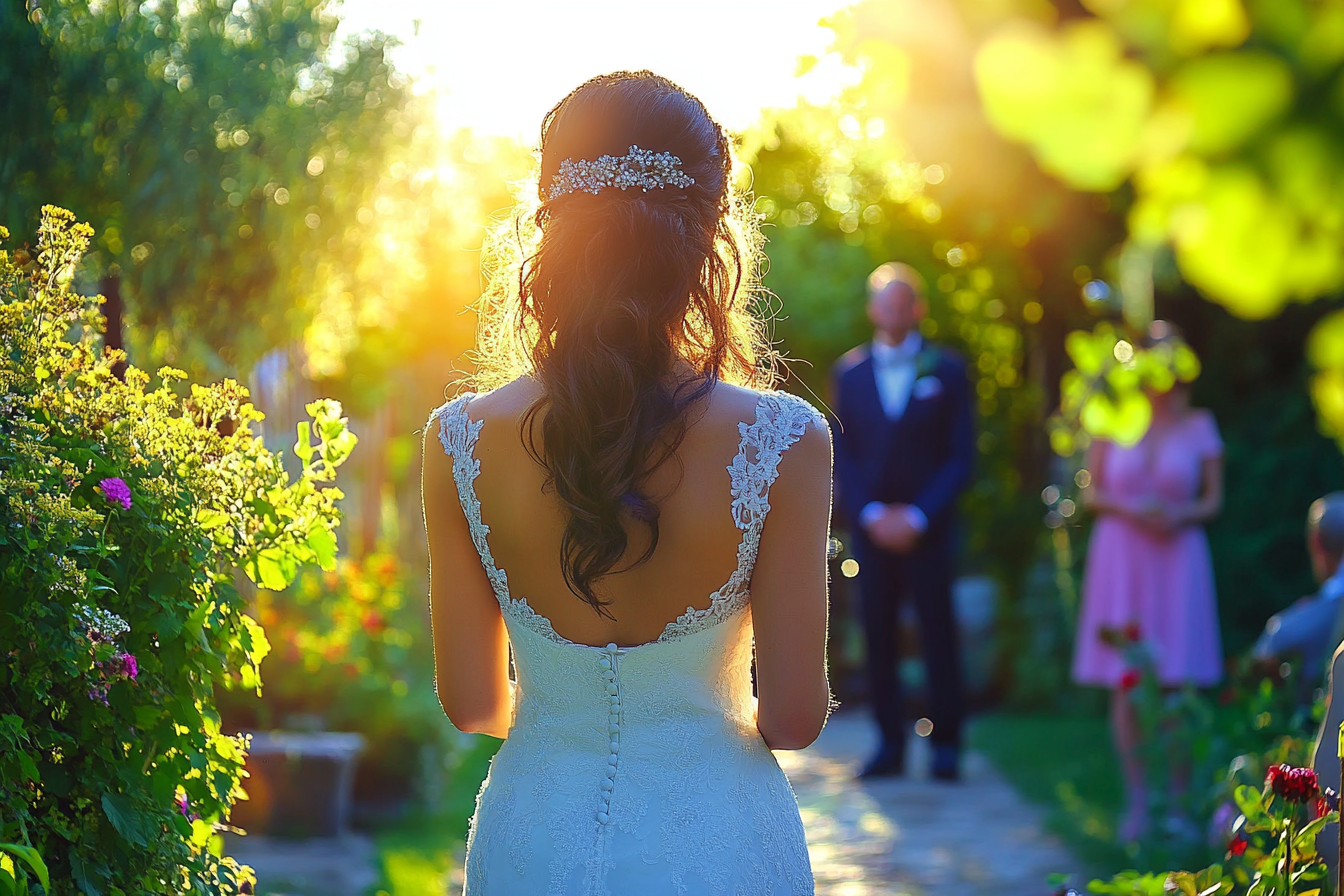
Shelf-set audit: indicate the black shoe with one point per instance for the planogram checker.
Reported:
(946, 765)
(886, 764)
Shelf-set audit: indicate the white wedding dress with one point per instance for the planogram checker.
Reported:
(639, 771)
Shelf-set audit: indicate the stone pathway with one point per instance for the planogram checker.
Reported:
(894, 837)
(911, 836)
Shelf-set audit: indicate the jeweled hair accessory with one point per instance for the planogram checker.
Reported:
(642, 168)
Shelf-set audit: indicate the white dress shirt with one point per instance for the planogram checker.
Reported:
(895, 369)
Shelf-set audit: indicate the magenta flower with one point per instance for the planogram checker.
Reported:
(125, 664)
(116, 491)
(184, 806)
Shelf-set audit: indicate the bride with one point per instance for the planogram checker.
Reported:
(616, 526)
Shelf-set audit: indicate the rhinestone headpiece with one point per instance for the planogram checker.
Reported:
(641, 168)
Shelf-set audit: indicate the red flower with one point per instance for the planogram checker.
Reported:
(1129, 680)
(1295, 785)
(372, 622)
(1237, 845)
(1132, 632)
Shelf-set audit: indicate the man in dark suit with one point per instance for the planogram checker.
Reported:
(904, 446)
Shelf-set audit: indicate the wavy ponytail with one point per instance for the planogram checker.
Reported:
(628, 309)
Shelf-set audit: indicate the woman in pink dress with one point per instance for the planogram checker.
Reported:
(1149, 573)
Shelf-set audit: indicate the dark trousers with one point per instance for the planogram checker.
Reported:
(924, 576)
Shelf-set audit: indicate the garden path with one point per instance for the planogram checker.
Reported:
(912, 836)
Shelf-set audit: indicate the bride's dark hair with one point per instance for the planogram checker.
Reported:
(628, 309)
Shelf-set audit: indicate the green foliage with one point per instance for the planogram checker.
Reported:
(1209, 882)
(15, 882)
(1105, 395)
(1273, 853)
(1199, 756)
(1224, 118)
(123, 511)
(230, 156)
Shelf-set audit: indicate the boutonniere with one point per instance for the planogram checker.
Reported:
(926, 362)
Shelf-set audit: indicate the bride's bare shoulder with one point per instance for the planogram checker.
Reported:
(733, 402)
(740, 402)
(509, 401)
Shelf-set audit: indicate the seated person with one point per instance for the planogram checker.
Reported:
(1311, 627)
(1327, 547)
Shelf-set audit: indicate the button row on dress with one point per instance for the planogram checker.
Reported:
(608, 664)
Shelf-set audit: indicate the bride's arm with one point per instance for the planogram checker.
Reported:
(471, 646)
(788, 597)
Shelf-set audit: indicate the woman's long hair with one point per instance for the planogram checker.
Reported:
(626, 306)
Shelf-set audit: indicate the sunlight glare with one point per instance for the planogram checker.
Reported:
(497, 67)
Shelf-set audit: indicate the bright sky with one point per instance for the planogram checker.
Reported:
(499, 65)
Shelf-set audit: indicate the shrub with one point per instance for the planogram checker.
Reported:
(124, 513)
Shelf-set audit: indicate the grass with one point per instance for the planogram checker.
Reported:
(417, 855)
(1066, 764)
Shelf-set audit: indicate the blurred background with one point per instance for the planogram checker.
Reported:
(295, 193)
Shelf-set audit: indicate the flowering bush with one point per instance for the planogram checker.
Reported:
(350, 653)
(1272, 851)
(124, 511)
(1273, 847)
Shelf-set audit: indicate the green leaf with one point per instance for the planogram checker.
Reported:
(1249, 802)
(119, 811)
(1307, 836)
(273, 569)
(1230, 96)
(323, 543)
(257, 645)
(32, 858)
(82, 875)
(30, 771)
(210, 519)
(303, 449)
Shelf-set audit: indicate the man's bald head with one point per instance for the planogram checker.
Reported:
(895, 272)
(896, 300)
(1325, 534)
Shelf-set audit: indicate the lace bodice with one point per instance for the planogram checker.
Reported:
(618, 759)
(780, 421)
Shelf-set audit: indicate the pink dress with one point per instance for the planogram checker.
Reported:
(1162, 583)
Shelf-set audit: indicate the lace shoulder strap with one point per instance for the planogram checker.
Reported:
(781, 420)
(458, 434)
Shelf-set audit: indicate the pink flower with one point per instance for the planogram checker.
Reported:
(116, 491)
(125, 664)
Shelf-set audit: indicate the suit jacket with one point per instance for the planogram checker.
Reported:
(924, 457)
(1325, 756)
(1309, 627)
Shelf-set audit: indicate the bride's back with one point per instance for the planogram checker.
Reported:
(631, 480)
(697, 538)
